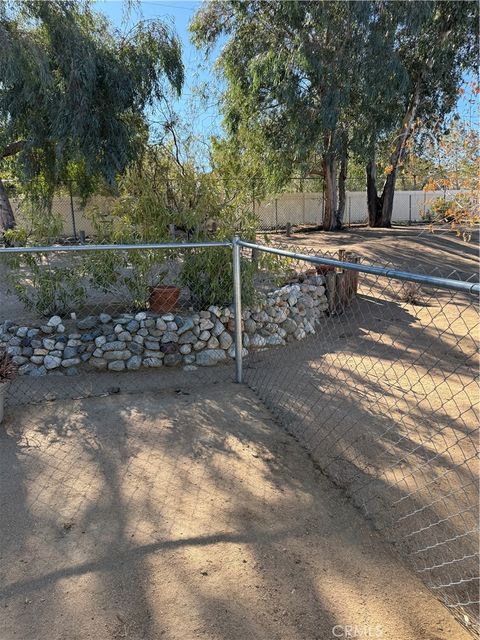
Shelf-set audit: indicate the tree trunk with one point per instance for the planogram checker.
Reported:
(342, 178)
(7, 218)
(380, 209)
(374, 202)
(329, 166)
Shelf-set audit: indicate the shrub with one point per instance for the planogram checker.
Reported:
(208, 273)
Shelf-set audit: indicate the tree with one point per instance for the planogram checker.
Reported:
(291, 69)
(425, 50)
(73, 92)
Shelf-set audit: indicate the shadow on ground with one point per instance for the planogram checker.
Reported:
(181, 514)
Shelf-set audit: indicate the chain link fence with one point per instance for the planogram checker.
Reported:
(374, 375)
(383, 392)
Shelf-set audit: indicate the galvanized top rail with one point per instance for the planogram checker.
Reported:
(104, 247)
(445, 283)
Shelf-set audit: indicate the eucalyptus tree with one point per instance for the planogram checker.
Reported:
(415, 63)
(73, 91)
(291, 70)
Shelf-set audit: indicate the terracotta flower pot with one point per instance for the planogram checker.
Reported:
(163, 298)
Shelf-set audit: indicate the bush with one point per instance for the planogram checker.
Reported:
(208, 273)
(45, 286)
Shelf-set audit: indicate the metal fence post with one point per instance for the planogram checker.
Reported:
(237, 294)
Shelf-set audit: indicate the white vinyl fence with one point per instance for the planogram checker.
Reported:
(307, 208)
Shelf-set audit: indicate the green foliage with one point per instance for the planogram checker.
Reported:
(128, 275)
(47, 286)
(208, 273)
(74, 91)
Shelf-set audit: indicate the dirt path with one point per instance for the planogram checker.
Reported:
(410, 248)
(187, 515)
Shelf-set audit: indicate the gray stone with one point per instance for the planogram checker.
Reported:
(22, 332)
(138, 339)
(205, 324)
(225, 340)
(116, 365)
(70, 362)
(140, 316)
(26, 369)
(135, 348)
(186, 326)
(185, 349)
(213, 343)
(199, 345)
(49, 343)
(231, 352)
(169, 336)
(152, 362)
(100, 340)
(73, 342)
(134, 363)
(143, 332)
(14, 351)
(257, 340)
(54, 321)
(46, 329)
(70, 352)
(290, 326)
(85, 357)
(61, 328)
(33, 332)
(57, 353)
(104, 318)
(172, 359)
(133, 326)
(218, 328)
(168, 317)
(172, 326)
(187, 338)
(51, 362)
(117, 355)
(274, 340)
(189, 359)
(59, 346)
(118, 328)
(152, 345)
(153, 354)
(215, 311)
(37, 372)
(87, 323)
(98, 363)
(125, 336)
(149, 323)
(299, 334)
(37, 359)
(18, 360)
(205, 335)
(161, 324)
(27, 351)
(209, 357)
(15, 342)
(116, 345)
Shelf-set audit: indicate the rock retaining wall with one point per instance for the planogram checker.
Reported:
(130, 341)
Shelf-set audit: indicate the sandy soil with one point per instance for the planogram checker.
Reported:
(187, 514)
(417, 248)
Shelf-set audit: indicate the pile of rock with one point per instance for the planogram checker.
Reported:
(131, 341)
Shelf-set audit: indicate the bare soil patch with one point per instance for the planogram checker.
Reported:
(186, 514)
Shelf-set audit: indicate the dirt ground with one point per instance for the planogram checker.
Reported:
(187, 514)
(414, 248)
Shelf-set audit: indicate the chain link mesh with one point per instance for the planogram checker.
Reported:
(384, 394)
